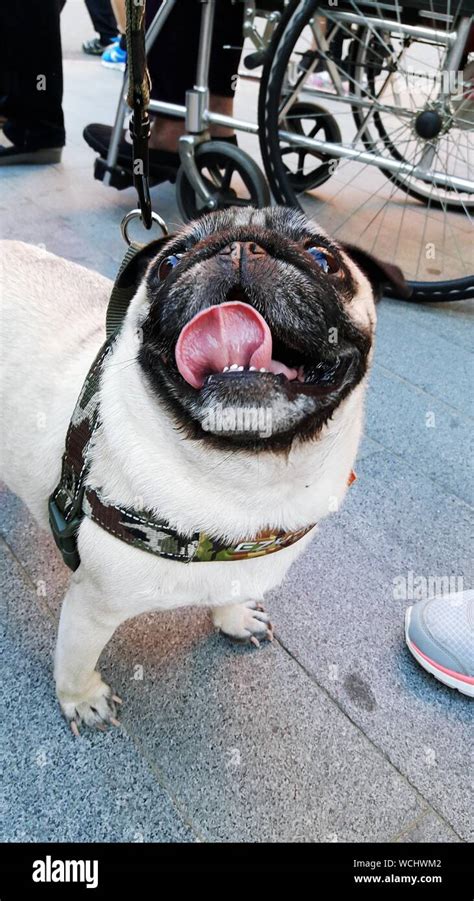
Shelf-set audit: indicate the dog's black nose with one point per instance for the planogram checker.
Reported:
(242, 254)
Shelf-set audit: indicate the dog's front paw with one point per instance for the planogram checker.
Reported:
(97, 707)
(245, 622)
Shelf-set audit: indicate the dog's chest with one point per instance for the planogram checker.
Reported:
(138, 581)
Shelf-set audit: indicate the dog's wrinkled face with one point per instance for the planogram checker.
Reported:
(258, 326)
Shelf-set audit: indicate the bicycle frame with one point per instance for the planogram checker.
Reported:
(198, 117)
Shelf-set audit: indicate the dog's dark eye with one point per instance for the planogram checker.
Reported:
(324, 259)
(168, 264)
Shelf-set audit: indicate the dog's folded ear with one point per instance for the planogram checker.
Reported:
(380, 274)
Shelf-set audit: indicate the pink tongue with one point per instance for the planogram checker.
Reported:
(221, 336)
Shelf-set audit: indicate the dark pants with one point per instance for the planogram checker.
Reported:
(173, 57)
(31, 73)
(103, 19)
(31, 64)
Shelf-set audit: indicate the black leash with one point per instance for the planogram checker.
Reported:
(138, 100)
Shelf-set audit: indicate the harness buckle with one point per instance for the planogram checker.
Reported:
(64, 533)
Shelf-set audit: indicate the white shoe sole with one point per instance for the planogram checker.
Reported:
(448, 679)
(120, 66)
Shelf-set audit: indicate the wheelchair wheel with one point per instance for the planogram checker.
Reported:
(308, 169)
(420, 223)
(430, 131)
(231, 176)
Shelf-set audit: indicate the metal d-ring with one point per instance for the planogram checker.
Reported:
(136, 214)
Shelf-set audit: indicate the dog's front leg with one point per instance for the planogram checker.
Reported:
(247, 621)
(85, 627)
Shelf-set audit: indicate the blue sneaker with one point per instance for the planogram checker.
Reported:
(440, 634)
(114, 57)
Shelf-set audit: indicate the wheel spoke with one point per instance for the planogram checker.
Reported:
(394, 77)
(227, 178)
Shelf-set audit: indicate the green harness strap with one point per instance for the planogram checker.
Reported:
(122, 293)
(66, 502)
(128, 278)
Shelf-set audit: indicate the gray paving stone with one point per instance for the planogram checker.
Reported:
(448, 320)
(35, 551)
(368, 447)
(435, 440)
(339, 615)
(76, 27)
(430, 829)
(407, 522)
(251, 746)
(55, 787)
(425, 358)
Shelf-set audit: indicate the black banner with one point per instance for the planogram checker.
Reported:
(100, 871)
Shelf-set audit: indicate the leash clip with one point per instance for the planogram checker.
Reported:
(140, 133)
(65, 534)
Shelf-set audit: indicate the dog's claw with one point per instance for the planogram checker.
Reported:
(117, 699)
(247, 622)
(115, 722)
(95, 709)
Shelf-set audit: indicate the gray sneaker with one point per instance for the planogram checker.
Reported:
(440, 634)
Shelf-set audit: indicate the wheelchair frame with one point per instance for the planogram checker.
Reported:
(198, 116)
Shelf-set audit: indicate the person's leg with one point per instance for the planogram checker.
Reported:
(172, 64)
(118, 7)
(103, 20)
(32, 63)
(225, 58)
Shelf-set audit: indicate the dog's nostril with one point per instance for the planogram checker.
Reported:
(238, 249)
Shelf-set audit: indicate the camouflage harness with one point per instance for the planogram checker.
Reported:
(73, 498)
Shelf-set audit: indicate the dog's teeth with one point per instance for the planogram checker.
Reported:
(234, 367)
(262, 369)
(252, 368)
(240, 368)
(225, 369)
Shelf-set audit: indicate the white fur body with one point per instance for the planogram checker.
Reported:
(53, 323)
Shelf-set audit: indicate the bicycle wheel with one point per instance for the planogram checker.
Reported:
(422, 225)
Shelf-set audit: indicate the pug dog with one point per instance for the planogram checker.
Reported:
(230, 406)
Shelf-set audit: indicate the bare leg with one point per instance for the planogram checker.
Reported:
(85, 627)
(224, 106)
(118, 7)
(165, 133)
(246, 621)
